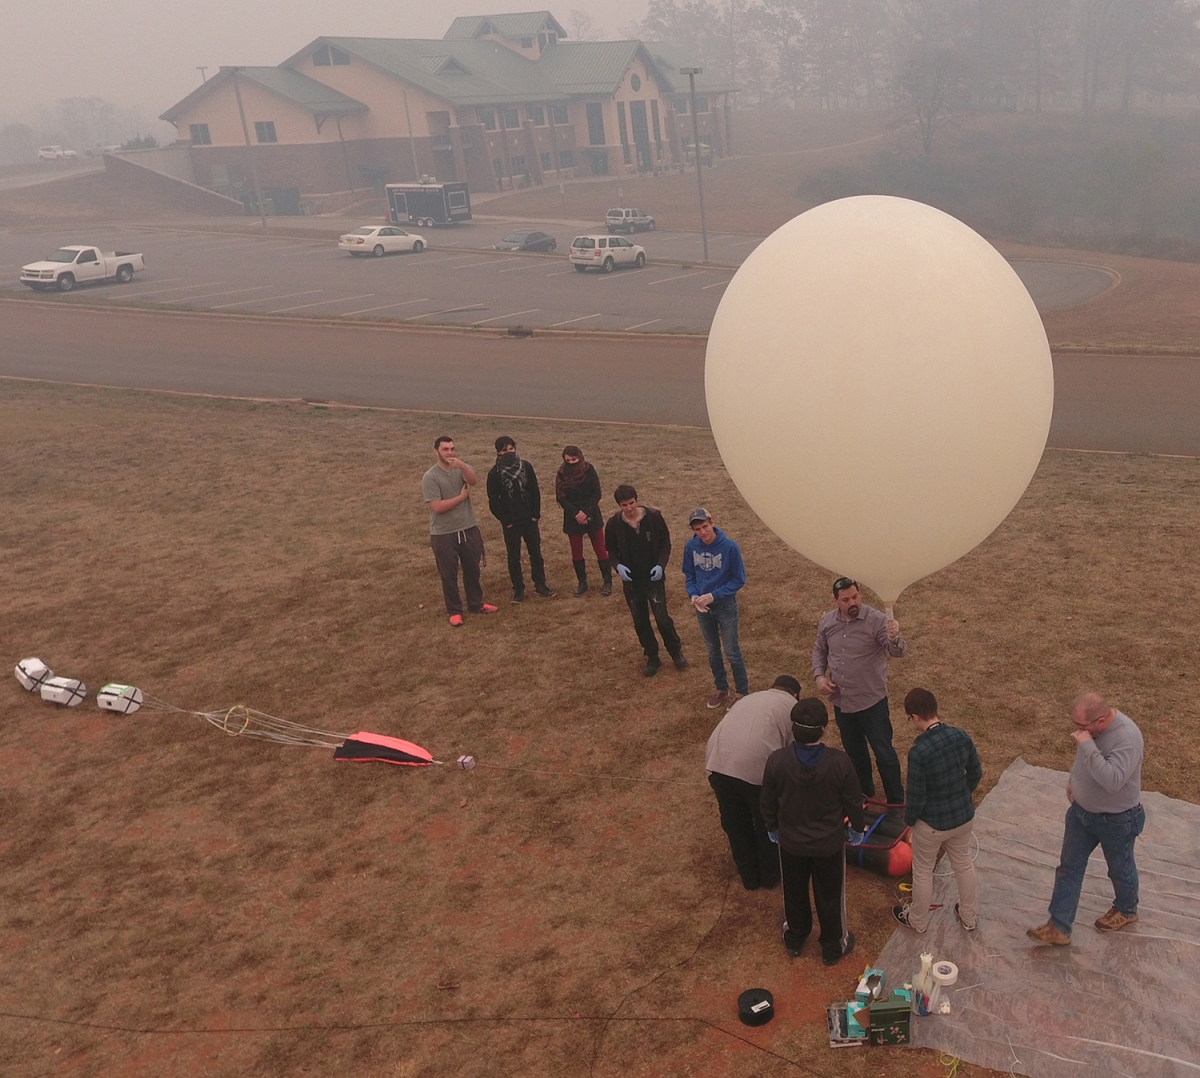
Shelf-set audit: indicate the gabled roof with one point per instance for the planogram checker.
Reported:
(518, 24)
(472, 72)
(593, 67)
(309, 94)
(669, 59)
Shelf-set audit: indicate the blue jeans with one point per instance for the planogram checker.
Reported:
(1114, 833)
(719, 628)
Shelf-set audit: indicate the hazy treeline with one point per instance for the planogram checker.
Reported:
(1085, 55)
(78, 123)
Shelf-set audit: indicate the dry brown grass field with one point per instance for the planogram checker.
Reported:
(179, 902)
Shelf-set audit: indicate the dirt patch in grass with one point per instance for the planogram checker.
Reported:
(567, 908)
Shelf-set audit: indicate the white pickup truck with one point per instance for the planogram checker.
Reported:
(69, 266)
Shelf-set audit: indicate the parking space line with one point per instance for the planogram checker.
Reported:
(264, 299)
(314, 250)
(559, 273)
(678, 277)
(384, 307)
(583, 318)
(746, 243)
(228, 292)
(718, 284)
(515, 269)
(320, 303)
(160, 291)
(641, 324)
(489, 262)
(484, 322)
(449, 310)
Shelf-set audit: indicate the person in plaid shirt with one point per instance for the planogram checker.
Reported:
(943, 771)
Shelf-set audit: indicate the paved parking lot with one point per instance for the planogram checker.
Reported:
(454, 282)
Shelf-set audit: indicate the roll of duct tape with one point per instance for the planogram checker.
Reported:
(756, 1007)
(945, 973)
(466, 763)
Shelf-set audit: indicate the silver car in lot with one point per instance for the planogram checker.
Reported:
(605, 253)
(625, 219)
(379, 240)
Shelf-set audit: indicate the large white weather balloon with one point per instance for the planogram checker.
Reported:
(879, 386)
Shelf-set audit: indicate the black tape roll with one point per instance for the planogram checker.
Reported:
(756, 1007)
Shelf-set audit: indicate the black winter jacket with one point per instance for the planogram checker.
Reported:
(808, 806)
(510, 506)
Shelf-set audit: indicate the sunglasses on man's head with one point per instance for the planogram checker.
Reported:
(842, 583)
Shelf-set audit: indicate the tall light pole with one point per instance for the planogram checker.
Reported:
(691, 73)
(262, 209)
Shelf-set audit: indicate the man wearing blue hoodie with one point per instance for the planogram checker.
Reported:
(714, 573)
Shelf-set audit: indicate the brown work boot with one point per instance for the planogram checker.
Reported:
(1115, 920)
(1047, 933)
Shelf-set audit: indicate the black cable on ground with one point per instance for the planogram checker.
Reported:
(350, 1027)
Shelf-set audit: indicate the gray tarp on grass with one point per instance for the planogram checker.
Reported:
(1123, 1003)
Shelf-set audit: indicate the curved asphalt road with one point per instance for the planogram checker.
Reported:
(1102, 402)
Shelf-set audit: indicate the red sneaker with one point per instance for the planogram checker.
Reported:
(487, 608)
(456, 620)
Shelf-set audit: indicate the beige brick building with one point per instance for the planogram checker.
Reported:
(501, 101)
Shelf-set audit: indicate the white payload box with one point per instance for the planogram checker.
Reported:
(32, 673)
(123, 699)
(64, 691)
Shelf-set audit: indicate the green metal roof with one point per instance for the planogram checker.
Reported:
(491, 73)
(591, 67)
(514, 25)
(309, 94)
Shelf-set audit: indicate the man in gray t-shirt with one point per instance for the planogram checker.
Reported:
(1105, 791)
(453, 530)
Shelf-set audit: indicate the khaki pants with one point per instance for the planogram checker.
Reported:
(926, 843)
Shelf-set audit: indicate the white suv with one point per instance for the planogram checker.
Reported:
(605, 253)
(628, 220)
(54, 153)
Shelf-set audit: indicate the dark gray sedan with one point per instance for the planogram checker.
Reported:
(526, 240)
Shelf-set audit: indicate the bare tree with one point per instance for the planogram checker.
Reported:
(582, 26)
(929, 89)
(783, 28)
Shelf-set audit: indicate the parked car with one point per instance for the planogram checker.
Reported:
(378, 240)
(628, 220)
(526, 240)
(605, 253)
(69, 266)
(55, 153)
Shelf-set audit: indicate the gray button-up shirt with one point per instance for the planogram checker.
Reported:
(854, 653)
(751, 730)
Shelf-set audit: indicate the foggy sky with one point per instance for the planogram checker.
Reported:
(145, 52)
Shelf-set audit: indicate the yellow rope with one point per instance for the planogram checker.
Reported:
(951, 1063)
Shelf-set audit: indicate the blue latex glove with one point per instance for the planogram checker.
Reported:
(623, 573)
(855, 838)
(773, 836)
(656, 573)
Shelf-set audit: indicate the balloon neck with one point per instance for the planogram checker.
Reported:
(887, 609)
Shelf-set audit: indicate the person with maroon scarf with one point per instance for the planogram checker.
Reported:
(577, 488)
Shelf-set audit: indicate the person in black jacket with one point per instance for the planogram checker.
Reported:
(577, 490)
(516, 501)
(809, 790)
(638, 538)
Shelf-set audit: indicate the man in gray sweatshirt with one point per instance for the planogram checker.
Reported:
(1105, 791)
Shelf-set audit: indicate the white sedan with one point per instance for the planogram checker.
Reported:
(379, 240)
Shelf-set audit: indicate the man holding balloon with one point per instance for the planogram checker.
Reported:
(849, 662)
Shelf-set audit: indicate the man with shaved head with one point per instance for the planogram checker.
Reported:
(1105, 791)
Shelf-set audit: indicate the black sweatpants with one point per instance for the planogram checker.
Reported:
(465, 547)
(741, 819)
(828, 876)
(527, 530)
(642, 598)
